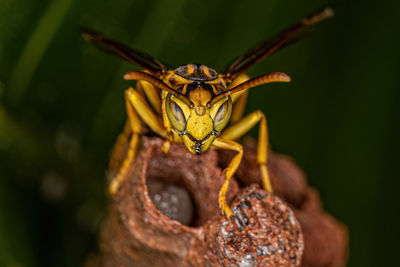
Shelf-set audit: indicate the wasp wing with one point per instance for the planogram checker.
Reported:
(136, 57)
(268, 47)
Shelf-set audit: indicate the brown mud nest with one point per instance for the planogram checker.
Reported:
(166, 214)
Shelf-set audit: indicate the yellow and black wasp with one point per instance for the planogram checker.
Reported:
(193, 104)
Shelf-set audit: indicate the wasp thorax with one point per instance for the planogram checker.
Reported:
(196, 72)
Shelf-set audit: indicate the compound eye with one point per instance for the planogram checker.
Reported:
(175, 115)
(223, 114)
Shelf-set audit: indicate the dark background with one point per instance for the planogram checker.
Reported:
(61, 108)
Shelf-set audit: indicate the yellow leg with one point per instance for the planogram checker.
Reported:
(239, 107)
(240, 79)
(229, 171)
(144, 111)
(117, 153)
(152, 94)
(239, 99)
(243, 126)
(137, 109)
(136, 130)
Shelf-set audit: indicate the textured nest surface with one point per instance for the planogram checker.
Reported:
(166, 214)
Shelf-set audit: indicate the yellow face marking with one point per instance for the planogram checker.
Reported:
(199, 126)
(200, 111)
(200, 97)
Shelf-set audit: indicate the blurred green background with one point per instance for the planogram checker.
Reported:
(61, 108)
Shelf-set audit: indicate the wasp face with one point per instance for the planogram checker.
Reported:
(198, 122)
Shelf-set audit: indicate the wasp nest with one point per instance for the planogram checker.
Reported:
(166, 213)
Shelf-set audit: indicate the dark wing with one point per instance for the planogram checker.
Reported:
(136, 57)
(283, 39)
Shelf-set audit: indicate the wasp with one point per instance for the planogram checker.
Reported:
(193, 104)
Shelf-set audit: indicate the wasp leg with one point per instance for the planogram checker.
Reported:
(240, 105)
(137, 109)
(133, 126)
(144, 111)
(222, 143)
(152, 94)
(239, 99)
(117, 153)
(243, 126)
